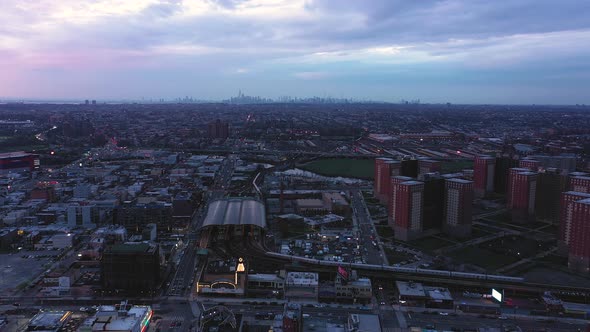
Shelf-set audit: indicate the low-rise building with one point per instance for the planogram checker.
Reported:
(336, 203)
(49, 321)
(302, 285)
(308, 206)
(118, 318)
(363, 323)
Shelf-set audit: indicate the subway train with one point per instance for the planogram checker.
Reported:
(440, 273)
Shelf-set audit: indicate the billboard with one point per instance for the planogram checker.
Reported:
(343, 273)
(497, 295)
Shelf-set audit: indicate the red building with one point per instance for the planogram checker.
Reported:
(408, 210)
(522, 196)
(509, 189)
(565, 217)
(292, 318)
(385, 168)
(458, 211)
(218, 129)
(483, 175)
(18, 162)
(530, 164)
(44, 192)
(579, 246)
(428, 166)
(580, 184)
(394, 187)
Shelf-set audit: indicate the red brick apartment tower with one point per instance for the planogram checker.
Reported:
(579, 247)
(385, 168)
(566, 211)
(530, 164)
(580, 184)
(380, 185)
(483, 175)
(428, 166)
(523, 195)
(458, 212)
(408, 210)
(394, 187)
(509, 188)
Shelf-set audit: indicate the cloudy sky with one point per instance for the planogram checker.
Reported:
(460, 51)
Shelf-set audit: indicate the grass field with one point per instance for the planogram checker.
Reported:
(345, 167)
(23, 148)
(394, 257)
(384, 231)
(456, 166)
(430, 244)
(487, 259)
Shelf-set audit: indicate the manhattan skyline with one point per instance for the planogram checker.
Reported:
(522, 52)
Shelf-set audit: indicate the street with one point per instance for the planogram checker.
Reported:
(373, 251)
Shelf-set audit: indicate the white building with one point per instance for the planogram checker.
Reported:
(110, 318)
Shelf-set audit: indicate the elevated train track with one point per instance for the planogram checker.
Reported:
(251, 248)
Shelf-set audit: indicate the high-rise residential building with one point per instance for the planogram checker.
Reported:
(394, 185)
(428, 166)
(434, 197)
(550, 185)
(218, 129)
(566, 212)
(408, 210)
(409, 168)
(565, 162)
(483, 175)
(523, 196)
(458, 211)
(380, 178)
(385, 168)
(579, 184)
(509, 185)
(503, 164)
(579, 246)
(530, 164)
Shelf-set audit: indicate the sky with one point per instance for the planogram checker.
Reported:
(459, 51)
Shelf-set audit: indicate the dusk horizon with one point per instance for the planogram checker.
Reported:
(523, 52)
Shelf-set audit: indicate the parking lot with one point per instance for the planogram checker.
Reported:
(19, 268)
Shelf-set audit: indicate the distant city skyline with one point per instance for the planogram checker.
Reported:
(457, 51)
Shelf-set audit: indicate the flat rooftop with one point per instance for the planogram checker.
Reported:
(459, 180)
(302, 279)
(410, 289)
(439, 293)
(49, 319)
(235, 211)
(107, 318)
(128, 248)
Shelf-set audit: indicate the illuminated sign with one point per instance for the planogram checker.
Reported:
(342, 272)
(497, 295)
(146, 320)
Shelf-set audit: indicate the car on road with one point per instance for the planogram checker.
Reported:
(443, 313)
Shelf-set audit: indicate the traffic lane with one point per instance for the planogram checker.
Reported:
(472, 321)
(449, 322)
